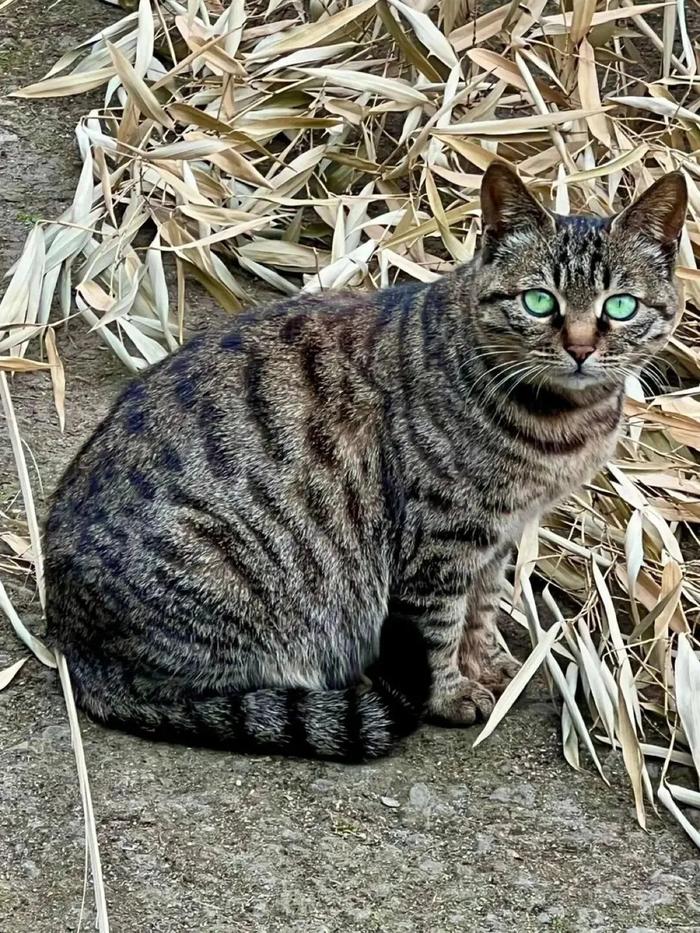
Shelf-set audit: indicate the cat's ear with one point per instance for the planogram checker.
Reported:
(658, 213)
(506, 204)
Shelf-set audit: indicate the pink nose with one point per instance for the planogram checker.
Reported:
(580, 352)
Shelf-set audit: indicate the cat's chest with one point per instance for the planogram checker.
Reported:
(507, 493)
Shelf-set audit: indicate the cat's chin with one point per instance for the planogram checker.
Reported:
(572, 381)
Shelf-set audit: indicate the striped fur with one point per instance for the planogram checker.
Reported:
(291, 536)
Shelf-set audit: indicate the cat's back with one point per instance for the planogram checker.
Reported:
(256, 409)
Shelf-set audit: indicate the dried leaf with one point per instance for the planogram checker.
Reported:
(9, 673)
(58, 378)
(66, 85)
(519, 682)
(304, 37)
(688, 695)
(141, 94)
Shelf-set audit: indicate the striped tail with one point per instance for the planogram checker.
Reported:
(354, 724)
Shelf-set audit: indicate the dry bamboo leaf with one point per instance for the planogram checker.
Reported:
(139, 92)
(632, 756)
(559, 677)
(303, 37)
(480, 30)
(667, 800)
(684, 795)
(58, 378)
(508, 71)
(19, 364)
(592, 667)
(88, 814)
(9, 673)
(634, 554)
(409, 49)
(208, 49)
(669, 31)
(132, 363)
(475, 153)
(389, 88)
(451, 242)
(515, 125)
(520, 681)
(409, 266)
(626, 681)
(589, 93)
(188, 149)
(528, 553)
(564, 21)
(144, 38)
(37, 647)
(25, 486)
(66, 85)
(623, 161)
(307, 56)
(428, 34)
(688, 695)
(231, 24)
(30, 266)
(658, 105)
(583, 12)
(228, 233)
(569, 738)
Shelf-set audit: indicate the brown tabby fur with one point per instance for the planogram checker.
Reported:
(291, 536)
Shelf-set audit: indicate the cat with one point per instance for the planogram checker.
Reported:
(290, 535)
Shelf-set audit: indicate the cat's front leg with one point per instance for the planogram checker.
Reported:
(455, 698)
(481, 657)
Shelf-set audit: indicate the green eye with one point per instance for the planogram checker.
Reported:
(539, 303)
(620, 307)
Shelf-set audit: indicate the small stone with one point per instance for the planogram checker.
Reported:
(419, 796)
(322, 786)
(484, 843)
(432, 868)
(522, 795)
(56, 736)
(391, 802)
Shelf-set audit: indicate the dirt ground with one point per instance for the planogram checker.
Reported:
(503, 838)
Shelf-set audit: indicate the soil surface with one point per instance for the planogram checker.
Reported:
(439, 837)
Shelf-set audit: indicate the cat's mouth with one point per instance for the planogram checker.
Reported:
(572, 376)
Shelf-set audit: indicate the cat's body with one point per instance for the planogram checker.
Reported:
(263, 508)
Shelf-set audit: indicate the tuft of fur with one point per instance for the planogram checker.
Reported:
(291, 535)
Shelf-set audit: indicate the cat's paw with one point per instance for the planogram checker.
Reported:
(466, 703)
(499, 672)
(494, 672)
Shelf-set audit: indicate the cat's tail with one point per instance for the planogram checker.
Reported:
(357, 723)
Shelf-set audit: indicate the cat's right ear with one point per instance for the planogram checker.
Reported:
(659, 212)
(507, 205)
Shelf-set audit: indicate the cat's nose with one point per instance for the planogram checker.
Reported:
(580, 352)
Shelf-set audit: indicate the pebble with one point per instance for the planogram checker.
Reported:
(419, 796)
(391, 802)
(520, 794)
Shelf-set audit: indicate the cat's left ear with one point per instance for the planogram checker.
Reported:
(507, 205)
(659, 213)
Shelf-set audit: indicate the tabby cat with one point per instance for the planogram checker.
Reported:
(290, 535)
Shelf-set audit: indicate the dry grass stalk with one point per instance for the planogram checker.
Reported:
(332, 144)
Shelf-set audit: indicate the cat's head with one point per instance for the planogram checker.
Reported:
(573, 301)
